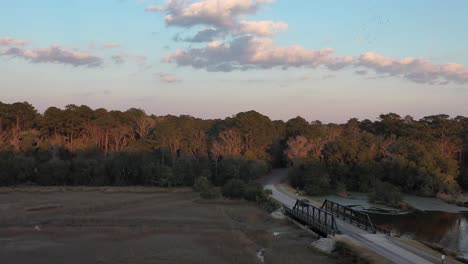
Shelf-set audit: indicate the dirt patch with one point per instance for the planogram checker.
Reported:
(118, 225)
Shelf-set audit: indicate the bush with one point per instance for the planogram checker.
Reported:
(234, 188)
(210, 193)
(166, 178)
(16, 169)
(340, 188)
(253, 169)
(269, 205)
(201, 183)
(296, 177)
(386, 193)
(82, 171)
(183, 173)
(206, 189)
(150, 171)
(53, 172)
(317, 179)
(253, 192)
(313, 177)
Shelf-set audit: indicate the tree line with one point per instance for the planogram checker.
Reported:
(78, 145)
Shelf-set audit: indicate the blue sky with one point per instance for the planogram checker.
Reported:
(335, 60)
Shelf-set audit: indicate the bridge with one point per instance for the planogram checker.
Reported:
(323, 220)
(345, 222)
(317, 219)
(355, 217)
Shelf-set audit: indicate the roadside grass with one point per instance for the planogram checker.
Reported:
(435, 249)
(103, 189)
(347, 251)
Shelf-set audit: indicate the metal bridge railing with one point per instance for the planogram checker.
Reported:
(358, 218)
(317, 219)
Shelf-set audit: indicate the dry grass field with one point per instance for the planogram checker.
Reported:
(142, 225)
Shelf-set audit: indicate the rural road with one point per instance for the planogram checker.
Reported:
(385, 246)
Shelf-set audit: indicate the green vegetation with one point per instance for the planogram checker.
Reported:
(78, 145)
(252, 191)
(386, 193)
(421, 157)
(313, 177)
(206, 189)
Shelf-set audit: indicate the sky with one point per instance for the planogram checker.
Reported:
(328, 60)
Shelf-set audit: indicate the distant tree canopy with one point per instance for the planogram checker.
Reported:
(78, 145)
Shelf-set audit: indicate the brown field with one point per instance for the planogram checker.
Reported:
(142, 225)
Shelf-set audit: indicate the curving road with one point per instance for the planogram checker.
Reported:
(387, 247)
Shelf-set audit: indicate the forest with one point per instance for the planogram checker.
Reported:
(78, 145)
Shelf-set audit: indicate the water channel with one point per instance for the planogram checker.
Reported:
(449, 230)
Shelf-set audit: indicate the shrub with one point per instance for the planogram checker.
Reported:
(183, 173)
(234, 188)
(340, 188)
(313, 177)
(150, 171)
(253, 192)
(53, 172)
(317, 180)
(14, 170)
(201, 183)
(166, 178)
(386, 193)
(206, 189)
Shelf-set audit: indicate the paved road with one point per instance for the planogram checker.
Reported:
(384, 246)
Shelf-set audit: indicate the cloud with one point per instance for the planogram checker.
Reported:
(167, 78)
(222, 15)
(249, 45)
(416, 70)
(111, 45)
(249, 52)
(125, 57)
(360, 72)
(154, 9)
(262, 28)
(205, 35)
(220, 18)
(8, 41)
(55, 54)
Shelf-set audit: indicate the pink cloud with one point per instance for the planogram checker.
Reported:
(417, 70)
(55, 54)
(167, 78)
(249, 45)
(262, 28)
(246, 53)
(207, 12)
(154, 9)
(8, 41)
(111, 45)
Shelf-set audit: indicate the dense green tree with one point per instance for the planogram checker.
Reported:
(256, 131)
(78, 145)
